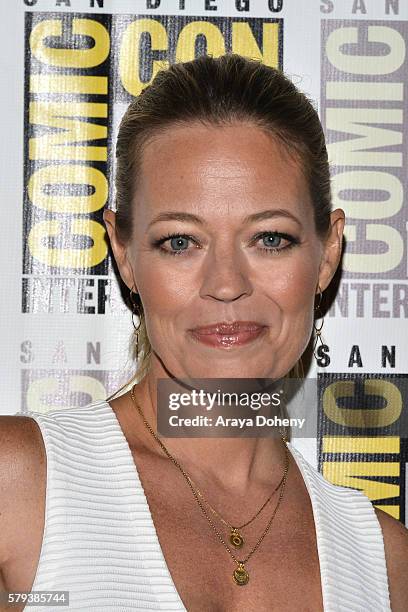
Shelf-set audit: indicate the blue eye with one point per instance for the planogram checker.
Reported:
(179, 243)
(272, 240)
(269, 240)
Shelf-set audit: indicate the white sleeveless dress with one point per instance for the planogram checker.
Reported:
(101, 545)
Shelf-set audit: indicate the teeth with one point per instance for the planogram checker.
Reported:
(232, 329)
(227, 329)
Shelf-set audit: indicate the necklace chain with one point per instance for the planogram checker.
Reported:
(282, 484)
(225, 522)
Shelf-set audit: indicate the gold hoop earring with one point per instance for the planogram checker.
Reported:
(135, 312)
(318, 330)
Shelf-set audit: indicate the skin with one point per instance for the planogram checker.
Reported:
(227, 273)
(242, 172)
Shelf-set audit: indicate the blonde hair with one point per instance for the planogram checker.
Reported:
(218, 91)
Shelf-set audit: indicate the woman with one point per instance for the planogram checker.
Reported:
(224, 235)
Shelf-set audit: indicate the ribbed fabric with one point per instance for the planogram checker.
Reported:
(101, 545)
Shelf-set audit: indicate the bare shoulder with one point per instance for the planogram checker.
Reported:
(395, 536)
(22, 480)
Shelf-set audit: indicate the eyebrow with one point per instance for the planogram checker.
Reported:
(189, 217)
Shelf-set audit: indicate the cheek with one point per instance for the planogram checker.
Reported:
(292, 287)
(283, 290)
(164, 292)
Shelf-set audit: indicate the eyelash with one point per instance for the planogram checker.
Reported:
(273, 250)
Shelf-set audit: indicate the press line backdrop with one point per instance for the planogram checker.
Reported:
(69, 70)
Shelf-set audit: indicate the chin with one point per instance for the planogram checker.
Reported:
(229, 370)
(224, 365)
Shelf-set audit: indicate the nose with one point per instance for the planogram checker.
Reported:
(226, 275)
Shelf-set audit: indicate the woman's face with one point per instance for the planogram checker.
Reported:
(224, 233)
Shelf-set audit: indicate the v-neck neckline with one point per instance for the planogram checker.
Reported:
(305, 469)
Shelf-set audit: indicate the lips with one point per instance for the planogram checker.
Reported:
(228, 328)
(228, 335)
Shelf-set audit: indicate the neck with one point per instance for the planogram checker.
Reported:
(234, 463)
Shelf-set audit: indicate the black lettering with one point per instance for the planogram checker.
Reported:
(394, 4)
(323, 357)
(242, 5)
(27, 355)
(400, 300)
(326, 6)
(388, 356)
(355, 357)
(93, 352)
(358, 5)
(360, 288)
(275, 6)
(102, 295)
(24, 295)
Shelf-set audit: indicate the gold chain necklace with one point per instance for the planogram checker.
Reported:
(240, 574)
(235, 538)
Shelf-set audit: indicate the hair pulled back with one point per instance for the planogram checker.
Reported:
(220, 91)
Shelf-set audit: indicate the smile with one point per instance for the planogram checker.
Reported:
(227, 335)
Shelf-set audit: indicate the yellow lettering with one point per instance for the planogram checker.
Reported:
(64, 142)
(349, 445)
(363, 90)
(354, 151)
(366, 64)
(129, 57)
(78, 258)
(65, 176)
(374, 262)
(41, 388)
(352, 474)
(68, 83)
(75, 57)
(391, 510)
(185, 50)
(365, 418)
(366, 180)
(244, 43)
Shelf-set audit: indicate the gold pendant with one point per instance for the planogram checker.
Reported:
(236, 538)
(240, 575)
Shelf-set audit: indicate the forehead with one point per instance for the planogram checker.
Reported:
(199, 166)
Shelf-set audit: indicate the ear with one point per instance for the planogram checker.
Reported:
(119, 250)
(332, 248)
